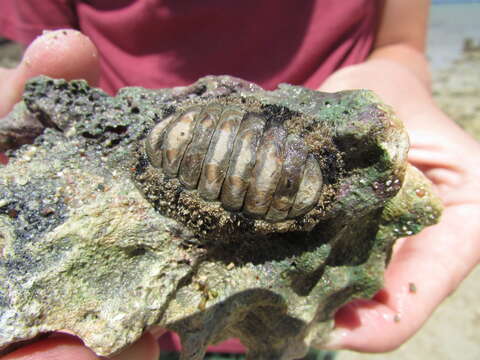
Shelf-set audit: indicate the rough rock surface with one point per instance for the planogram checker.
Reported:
(84, 251)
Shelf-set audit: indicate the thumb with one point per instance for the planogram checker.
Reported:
(66, 54)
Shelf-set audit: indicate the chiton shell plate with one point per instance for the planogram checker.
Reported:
(237, 157)
(232, 162)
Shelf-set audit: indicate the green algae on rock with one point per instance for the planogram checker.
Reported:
(98, 241)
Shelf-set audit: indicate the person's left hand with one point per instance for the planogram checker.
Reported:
(62, 346)
(427, 267)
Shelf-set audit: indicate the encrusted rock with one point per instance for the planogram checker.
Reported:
(186, 208)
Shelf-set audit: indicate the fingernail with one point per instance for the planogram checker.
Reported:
(156, 331)
(336, 339)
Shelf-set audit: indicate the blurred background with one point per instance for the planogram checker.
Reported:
(454, 53)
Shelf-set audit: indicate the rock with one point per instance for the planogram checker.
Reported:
(104, 245)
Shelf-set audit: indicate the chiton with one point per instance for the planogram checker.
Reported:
(249, 163)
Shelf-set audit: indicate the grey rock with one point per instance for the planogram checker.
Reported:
(88, 248)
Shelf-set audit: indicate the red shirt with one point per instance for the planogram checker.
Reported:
(166, 43)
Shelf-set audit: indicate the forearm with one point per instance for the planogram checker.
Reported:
(403, 84)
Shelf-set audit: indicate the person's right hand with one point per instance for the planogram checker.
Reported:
(66, 54)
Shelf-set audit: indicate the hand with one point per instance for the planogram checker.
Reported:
(61, 346)
(64, 54)
(427, 267)
(59, 54)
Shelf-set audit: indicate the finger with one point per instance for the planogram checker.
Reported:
(156, 331)
(425, 269)
(62, 346)
(58, 347)
(442, 159)
(3, 159)
(144, 349)
(66, 54)
(63, 53)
